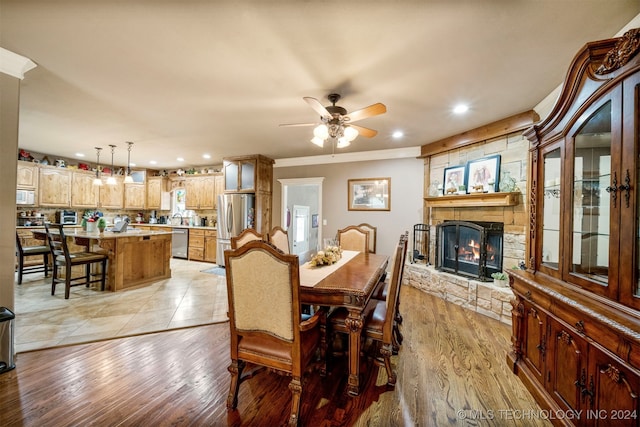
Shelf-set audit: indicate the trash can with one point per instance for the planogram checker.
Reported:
(6, 339)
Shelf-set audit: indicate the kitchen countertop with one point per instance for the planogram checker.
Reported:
(135, 224)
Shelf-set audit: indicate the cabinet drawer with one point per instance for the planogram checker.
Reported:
(196, 232)
(196, 241)
(196, 254)
(210, 233)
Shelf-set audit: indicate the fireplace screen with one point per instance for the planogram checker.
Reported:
(471, 249)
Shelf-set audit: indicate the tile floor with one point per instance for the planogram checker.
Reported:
(190, 297)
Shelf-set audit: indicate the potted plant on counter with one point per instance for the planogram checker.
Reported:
(101, 224)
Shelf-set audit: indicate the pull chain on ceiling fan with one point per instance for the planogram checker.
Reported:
(337, 124)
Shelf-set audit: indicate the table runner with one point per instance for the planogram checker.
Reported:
(310, 276)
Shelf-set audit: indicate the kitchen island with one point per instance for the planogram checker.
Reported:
(136, 257)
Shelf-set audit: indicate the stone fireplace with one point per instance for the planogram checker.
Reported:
(469, 249)
(506, 208)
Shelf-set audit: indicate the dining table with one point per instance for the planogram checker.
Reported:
(348, 283)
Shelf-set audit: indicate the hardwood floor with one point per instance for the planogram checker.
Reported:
(451, 371)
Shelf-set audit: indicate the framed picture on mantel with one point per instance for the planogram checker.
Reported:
(483, 175)
(369, 194)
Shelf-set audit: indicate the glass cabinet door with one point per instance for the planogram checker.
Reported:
(551, 209)
(592, 194)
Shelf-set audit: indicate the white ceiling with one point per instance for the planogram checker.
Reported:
(183, 78)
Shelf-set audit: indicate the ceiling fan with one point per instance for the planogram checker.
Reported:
(337, 123)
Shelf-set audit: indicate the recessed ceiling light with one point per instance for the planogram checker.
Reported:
(460, 108)
(206, 156)
(133, 164)
(153, 162)
(79, 155)
(180, 159)
(397, 134)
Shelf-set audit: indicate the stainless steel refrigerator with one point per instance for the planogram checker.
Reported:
(235, 213)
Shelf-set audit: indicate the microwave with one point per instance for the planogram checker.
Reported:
(25, 197)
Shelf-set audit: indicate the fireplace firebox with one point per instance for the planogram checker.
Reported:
(470, 249)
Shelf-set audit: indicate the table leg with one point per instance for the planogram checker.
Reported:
(354, 323)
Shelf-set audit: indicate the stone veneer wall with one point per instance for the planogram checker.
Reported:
(482, 297)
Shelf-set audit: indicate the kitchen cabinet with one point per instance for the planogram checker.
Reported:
(576, 309)
(54, 187)
(202, 245)
(83, 193)
(157, 195)
(112, 196)
(200, 192)
(252, 174)
(135, 195)
(27, 177)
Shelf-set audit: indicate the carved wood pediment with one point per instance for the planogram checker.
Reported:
(625, 49)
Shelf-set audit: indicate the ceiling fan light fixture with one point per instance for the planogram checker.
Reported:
(350, 133)
(318, 141)
(321, 132)
(343, 142)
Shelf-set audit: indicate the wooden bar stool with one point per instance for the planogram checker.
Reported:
(23, 252)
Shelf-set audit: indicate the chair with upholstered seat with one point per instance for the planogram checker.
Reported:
(280, 239)
(63, 258)
(381, 291)
(247, 235)
(263, 286)
(372, 235)
(379, 316)
(24, 251)
(353, 238)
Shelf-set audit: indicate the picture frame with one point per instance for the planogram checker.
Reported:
(369, 194)
(314, 221)
(483, 175)
(454, 177)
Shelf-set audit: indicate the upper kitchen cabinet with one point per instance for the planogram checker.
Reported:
(157, 195)
(84, 194)
(201, 192)
(247, 174)
(576, 312)
(54, 187)
(112, 196)
(135, 195)
(27, 177)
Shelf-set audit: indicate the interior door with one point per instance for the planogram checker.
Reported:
(300, 229)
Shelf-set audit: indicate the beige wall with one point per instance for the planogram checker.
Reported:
(406, 196)
(9, 107)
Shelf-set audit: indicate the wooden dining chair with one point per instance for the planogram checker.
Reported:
(247, 235)
(353, 238)
(382, 289)
(24, 251)
(372, 235)
(63, 258)
(379, 316)
(263, 286)
(280, 239)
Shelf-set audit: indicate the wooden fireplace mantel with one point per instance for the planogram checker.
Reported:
(474, 200)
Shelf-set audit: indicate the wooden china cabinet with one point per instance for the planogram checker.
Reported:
(576, 312)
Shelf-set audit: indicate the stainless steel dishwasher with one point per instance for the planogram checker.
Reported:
(180, 243)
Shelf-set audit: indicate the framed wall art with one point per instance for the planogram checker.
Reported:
(483, 175)
(369, 194)
(454, 180)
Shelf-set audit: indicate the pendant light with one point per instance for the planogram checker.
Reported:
(111, 180)
(98, 180)
(128, 179)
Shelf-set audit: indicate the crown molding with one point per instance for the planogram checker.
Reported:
(14, 65)
(362, 156)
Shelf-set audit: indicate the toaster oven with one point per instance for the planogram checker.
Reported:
(67, 217)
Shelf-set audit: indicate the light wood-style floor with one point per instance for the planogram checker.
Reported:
(451, 371)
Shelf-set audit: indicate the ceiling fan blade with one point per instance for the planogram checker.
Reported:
(366, 132)
(298, 124)
(370, 111)
(319, 108)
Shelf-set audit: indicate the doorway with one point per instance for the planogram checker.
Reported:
(300, 230)
(303, 192)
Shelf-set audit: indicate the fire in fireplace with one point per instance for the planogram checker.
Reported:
(471, 249)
